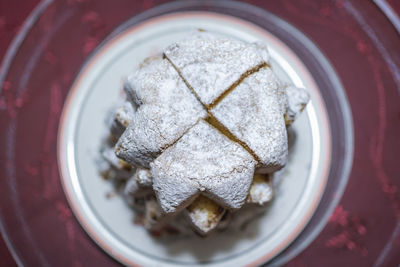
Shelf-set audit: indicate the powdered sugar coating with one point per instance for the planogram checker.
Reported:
(133, 189)
(206, 161)
(153, 215)
(109, 155)
(261, 190)
(210, 64)
(120, 166)
(157, 82)
(297, 100)
(122, 117)
(189, 158)
(262, 49)
(124, 114)
(167, 109)
(143, 177)
(204, 214)
(253, 112)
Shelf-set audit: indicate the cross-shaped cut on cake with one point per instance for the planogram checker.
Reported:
(212, 64)
(208, 114)
(253, 113)
(202, 161)
(166, 110)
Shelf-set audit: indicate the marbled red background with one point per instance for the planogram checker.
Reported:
(364, 229)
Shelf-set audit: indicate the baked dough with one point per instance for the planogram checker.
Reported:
(204, 214)
(206, 161)
(297, 101)
(201, 120)
(253, 113)
(261, 190)
(211, 64)
(122, 117)
(166, 110)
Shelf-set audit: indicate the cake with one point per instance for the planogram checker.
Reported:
(202, 132)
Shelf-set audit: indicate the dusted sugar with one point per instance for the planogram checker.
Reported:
(204, 214)
(254, 113)
(206, 161)
(297, 101)
(211, 64)
(204, 129)
(166, 110)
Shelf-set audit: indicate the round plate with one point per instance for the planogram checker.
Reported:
(109, 221)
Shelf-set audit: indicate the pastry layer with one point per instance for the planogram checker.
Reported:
(261, 190)
(204, 214)
(297, 101)
(254, 113)
(211, 64)
(167, 109)
(206, 161)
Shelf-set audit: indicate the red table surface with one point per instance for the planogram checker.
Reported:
(365, 227)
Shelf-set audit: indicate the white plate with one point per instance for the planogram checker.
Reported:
(110, 221)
